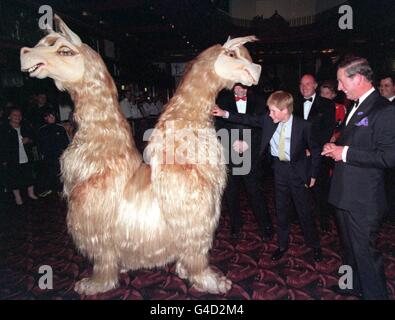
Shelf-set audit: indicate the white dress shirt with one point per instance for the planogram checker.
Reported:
(307, 106)
(241, 106)
(126, 108)
(360, 100)
(275, 140)
(22, 153)
(64, 112)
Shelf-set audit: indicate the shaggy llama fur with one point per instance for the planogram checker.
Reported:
(124, 214)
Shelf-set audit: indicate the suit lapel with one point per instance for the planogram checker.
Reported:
(269, 128)
(363, 109)
(362, 112)
(249, 104)
(313, 109)
(299, 109)
(294, 133)
(229, 104)
(234, 104)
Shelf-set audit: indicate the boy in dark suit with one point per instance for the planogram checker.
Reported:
(294, 173)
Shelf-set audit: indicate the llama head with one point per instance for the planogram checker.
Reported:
(234, 63)
(57, 56)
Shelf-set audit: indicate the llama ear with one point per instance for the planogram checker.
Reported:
(232, 44)
(48, 29)
(67, 33)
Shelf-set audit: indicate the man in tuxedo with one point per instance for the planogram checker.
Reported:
(366, 147)
(247, 141)
(387, 87)
(387, 90)
(321, 112)
(288, 137)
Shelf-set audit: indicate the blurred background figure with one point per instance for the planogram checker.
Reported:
(321, 113)
(34, 115)
(65, 113)
(52, 141)
(387, 90)
(15, 154)
(387, 87)
(328, 90)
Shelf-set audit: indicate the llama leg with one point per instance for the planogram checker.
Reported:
(195, 267)
(180, 270)
(104, 278)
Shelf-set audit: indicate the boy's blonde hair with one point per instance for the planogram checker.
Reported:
(281, 100)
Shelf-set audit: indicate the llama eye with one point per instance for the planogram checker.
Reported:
(65, 51)
(231, 54)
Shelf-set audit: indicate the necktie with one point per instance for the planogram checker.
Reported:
(281, 144)
(308, 99)
(354, 108)
(244, 98)
(141, 109)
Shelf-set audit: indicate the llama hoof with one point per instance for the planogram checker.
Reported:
(180, 270)
(212, 283)
(88, 286)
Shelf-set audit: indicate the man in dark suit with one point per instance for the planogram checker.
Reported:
(248, 172)
(387, 90)
(366, 147)
(321, 112)
(288, 137)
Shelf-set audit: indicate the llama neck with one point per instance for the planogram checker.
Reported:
(101, 125)
(199, 92)
(95, 102)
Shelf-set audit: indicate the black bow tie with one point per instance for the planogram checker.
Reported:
(356, 102)
(308, 99)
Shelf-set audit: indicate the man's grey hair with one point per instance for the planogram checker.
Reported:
(355, 65)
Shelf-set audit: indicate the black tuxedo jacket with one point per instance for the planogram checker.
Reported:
(322, 116)
(255, 105)
(358, 184)
(9, 143)
(300, 141)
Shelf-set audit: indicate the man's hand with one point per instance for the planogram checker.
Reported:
(312, 182)
(26, 140)
(240, 146)
(333, 151)
(218, 112)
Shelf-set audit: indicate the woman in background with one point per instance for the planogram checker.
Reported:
(15, 154)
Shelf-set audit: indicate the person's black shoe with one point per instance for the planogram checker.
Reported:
(278, 254)
(346, 292)
(317, 254)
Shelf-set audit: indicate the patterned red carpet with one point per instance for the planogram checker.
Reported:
(36, 235)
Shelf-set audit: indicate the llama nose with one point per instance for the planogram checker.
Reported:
(25, 50)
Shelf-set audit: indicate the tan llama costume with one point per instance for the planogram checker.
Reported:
(125, 214)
